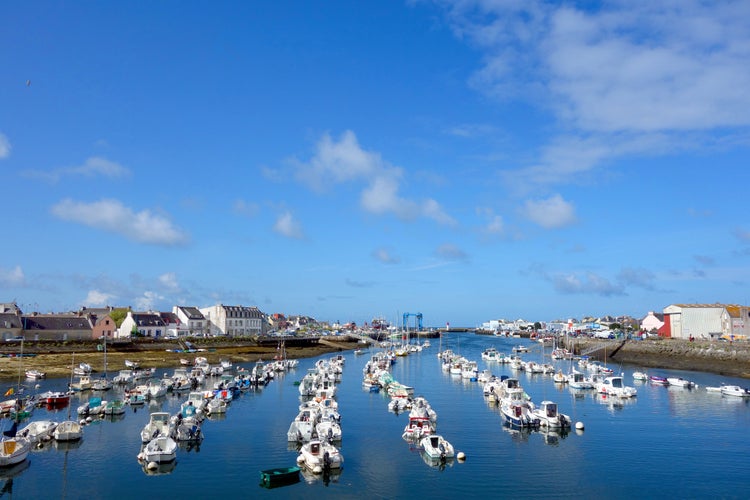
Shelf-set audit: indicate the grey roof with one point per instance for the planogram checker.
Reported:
(192, 313)
(56, 322)
(148, 319)
(170, 318)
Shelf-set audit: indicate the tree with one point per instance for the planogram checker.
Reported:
(118, 316)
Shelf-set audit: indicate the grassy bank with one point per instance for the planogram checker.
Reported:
(58, 359)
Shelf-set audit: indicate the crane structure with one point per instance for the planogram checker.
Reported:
(418, 317)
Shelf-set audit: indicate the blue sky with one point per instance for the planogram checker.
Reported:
(469, 160)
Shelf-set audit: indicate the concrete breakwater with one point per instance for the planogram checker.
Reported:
(723, 358)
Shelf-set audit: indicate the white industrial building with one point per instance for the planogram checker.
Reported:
(706, 321)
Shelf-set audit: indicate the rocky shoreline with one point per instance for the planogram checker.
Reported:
(723, 358)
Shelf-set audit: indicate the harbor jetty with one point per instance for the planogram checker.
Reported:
(723, 358)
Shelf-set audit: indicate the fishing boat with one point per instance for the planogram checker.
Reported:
(158, 425)
(280, 476)
(550, 417)
(735, 390)
(35, 374)
(681, 382)
(655, 379)
(54, 399)
(615, 386)
(319, 456)
(437, 447)
(161, 449)
(417, 428)
(115, 407)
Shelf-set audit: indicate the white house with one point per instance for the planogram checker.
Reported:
(233, 321)
(147, 324)
(192, 321)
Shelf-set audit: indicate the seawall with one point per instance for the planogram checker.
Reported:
(724, 358)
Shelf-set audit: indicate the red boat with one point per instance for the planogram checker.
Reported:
(54, 399)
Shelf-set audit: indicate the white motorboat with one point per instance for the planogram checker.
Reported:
(35, 374)
(437, 447)
(319, 456)
(615, 386)
(550, 417)
(329, 428)
(131, 364)
(518, 413)
(216, 406)
(716, 389)
(114, 407)
(735, 390)
(37, 431)
(68, 430)
(82, 369)
(158, 425)
(94, 406)
(302, 427)
(82, 384)
(681, 382)
(640, 376)
(187, 430)
(491, 354)
(162, 449)
(417, 428)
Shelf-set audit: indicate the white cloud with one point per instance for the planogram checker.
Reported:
(92, 167)
(345, 161)
(384, 256)
(589, 283)
(148, 301)
(169, 282)
(621, 78)
(4, 146)
(550, 213)
(12, 277)
(113, 216)
(97, 298)
(287, 225)
(495, 224)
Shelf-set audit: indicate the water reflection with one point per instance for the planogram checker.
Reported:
(151, 469)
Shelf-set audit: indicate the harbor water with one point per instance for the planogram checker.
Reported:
(666, 442)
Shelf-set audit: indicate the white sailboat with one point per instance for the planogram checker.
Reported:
(68, 430)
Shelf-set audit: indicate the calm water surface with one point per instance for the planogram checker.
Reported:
(666, 442)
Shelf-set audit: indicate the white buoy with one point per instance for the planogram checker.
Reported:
(140, 456)
(152, 466)
(579, 426)
(300, 459)
(89, 419)
(461, 456)
(82, 422)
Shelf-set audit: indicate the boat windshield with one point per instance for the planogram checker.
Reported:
(617, 382)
